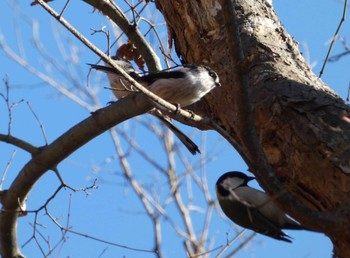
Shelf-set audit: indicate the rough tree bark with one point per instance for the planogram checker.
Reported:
(302, 125)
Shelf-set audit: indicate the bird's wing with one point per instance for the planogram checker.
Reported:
(270, 210)
(250, 217)
(263, 213)
(150, 78)
(266, 226)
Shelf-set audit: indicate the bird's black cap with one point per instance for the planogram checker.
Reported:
(235, 174)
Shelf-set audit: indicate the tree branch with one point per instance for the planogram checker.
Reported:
(54, 153)
(19, 143)
(110, 9)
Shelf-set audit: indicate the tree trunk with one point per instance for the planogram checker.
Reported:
(301, 124)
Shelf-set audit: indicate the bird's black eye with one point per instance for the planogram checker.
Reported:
(212, 74)
(222, 190)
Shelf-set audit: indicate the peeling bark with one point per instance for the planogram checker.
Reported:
(302, 125)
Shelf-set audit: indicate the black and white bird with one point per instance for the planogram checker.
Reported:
(183, 87)
(252, 208)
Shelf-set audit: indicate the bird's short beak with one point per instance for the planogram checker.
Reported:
(218, 84)
(250, 178)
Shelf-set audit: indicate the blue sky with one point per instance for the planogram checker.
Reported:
(113, 212)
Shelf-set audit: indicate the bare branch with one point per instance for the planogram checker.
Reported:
(242, 245)
(113, 11)
(41, 75)
(145, 198)
(19, 143)
(7, 168)
(53, 153)
(334, 38)
(10, 107)
(344, 53)
(105, 241)
(39, 122)
(64, 7)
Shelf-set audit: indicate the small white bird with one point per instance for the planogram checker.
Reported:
(183, 87)
(251, 208)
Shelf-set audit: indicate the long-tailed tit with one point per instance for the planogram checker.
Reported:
(183, 87)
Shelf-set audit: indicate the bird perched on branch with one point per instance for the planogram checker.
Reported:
(183, 87)
(251, 208)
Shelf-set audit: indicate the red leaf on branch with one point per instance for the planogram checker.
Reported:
(129, 52)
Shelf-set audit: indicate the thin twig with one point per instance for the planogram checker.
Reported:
(66, 70)
(229, 243)
(243, 244)
(64, 7)
(7, 168)
(344, 53)
(110, 9)
(334, 38)
(10, 107)
(107, 242)
(8, 51)
(39, 122)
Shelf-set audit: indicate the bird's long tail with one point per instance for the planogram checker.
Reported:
(103, 68)
(190, 145)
